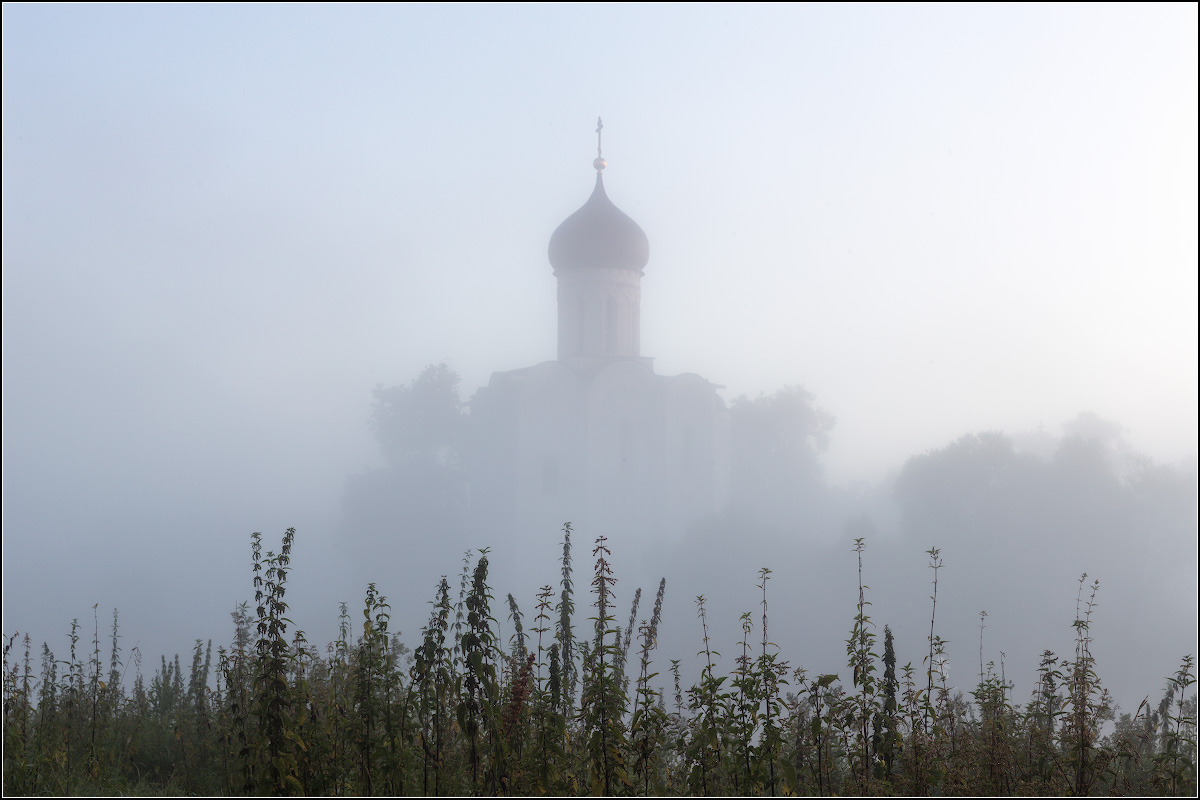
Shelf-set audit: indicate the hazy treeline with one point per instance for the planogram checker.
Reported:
(576, 701)
(802, 681)
(1018, 517)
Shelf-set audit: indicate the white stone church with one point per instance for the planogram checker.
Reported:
(596, 437)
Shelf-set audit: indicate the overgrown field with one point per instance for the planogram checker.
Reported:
(575, 703)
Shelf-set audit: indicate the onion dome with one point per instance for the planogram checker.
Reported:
(599, 235)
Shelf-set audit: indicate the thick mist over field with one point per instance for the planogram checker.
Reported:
(969, 234)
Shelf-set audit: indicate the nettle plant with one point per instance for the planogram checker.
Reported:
(552, 712)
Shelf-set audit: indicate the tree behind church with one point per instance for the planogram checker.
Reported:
(420, 495)
(776, 441)
(420, 424)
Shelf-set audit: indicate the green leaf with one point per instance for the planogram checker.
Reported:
(295, 737)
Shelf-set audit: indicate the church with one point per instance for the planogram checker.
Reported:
(597, 437)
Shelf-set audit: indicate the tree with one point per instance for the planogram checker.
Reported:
(775, 441)
(970, 488)
(421, 493)
(1078, 504)
(420, 424)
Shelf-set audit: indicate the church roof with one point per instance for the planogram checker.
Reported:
(599, 235)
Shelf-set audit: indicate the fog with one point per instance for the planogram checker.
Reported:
(224, 227)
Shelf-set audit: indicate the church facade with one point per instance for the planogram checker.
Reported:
(596, 437)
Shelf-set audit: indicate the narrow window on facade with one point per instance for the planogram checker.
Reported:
(550, 475)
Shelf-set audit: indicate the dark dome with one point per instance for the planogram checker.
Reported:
(599, 235)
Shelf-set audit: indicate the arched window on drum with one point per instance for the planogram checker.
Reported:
(610, 325)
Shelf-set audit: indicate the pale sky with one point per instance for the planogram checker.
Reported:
(937, 220)
(222, 226)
